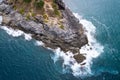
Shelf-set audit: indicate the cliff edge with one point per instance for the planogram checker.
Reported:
(67, 35)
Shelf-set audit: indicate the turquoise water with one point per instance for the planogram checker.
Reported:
(21, 59)
(105, 16)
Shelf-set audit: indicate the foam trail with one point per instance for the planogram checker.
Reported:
(0, 19)
(27, 36)
(39, 43)
(16, 33)
(93, 50)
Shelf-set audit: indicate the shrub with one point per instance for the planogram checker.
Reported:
(55, 7)
(27, 16)
(14, 7)
(21, 11)
(33, 14)
(40, 4)
(45, 16)
(56, 12)
(27, 1)
(61, 26)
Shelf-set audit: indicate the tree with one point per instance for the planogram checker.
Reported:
(40, 4)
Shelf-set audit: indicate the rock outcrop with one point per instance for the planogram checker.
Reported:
(71, 38)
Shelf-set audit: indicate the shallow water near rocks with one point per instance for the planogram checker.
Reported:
(104, 15)
(21, 59)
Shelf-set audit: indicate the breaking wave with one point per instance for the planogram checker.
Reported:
(92, 50)
(16, 33)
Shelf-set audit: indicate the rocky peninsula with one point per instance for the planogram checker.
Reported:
(54, 24)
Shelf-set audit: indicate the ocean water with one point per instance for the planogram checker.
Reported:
(105, 17)
(23, 58)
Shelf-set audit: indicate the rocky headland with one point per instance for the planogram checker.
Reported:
(63, 31)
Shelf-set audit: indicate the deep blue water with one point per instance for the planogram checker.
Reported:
(105, 16)
(23, 60)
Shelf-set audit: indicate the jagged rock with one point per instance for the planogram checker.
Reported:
(60, 4)
(79, 58)
(6, 20)
(3, 7)
(39, 19)
(72, 38)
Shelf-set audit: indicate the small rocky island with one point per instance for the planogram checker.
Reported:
(49, 21)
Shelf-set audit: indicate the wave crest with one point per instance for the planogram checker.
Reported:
(92, 50)
(16, 33)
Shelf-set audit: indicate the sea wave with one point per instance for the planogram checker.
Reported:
(16, 32)
(92, 50)
(39, 43)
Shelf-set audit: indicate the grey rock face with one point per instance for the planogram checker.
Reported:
(60, 4)
(71, 38)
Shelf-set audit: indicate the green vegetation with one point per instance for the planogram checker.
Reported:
(45, 16)
(45, 20)
(21, 11)
(28, 16)
(56, 11)
(54, 6)
(27, 1)
(14, 7)
(47, 9)
(40, 4)
(62, 26)
(32, 14)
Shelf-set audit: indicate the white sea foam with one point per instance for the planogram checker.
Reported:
(92, 50)
(0, 19)
(39, 43)
(16, 32)
(27, 36)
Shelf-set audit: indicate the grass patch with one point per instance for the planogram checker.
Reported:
(14, 7)
(45, 16)
(33, 14)
(28, 16)
(21, 11)
(27, 1)
(39, 4)
(62, 26)
(45, 20)
(56, 11)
